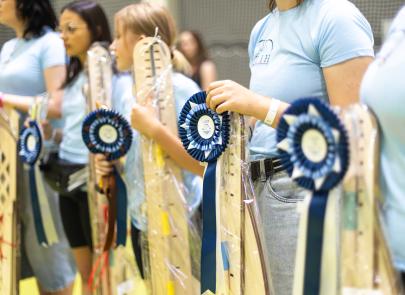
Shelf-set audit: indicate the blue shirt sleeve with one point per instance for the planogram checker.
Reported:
(254, 36)
(344, 33)
(53, 51)
(399, 22)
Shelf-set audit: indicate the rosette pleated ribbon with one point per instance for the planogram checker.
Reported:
(314, 149)
(30, 145)
(107, 132)
(205, 135)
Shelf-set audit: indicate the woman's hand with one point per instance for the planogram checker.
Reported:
(230, 96)
(103, 167)
(144, 120)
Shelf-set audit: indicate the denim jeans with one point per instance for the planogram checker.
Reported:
(277, 199)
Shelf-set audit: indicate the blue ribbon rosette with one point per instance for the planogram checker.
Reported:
(107, 132)
(314, 149)
(30, 147)
(205, 135)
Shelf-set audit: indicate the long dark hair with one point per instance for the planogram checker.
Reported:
(202, 52)
(273, 4)
(36, 14)
(93, 15)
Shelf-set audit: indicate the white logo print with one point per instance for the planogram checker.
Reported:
(263, 52)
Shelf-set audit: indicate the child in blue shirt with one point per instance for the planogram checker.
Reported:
(128, 33)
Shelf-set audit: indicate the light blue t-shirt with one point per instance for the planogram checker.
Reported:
(74, 110)
(22, 63)
(183, 89)
(383, 89)
(22, 66)
(288, 50)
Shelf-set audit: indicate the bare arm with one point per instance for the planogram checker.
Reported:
(208, 73)
(343, 80)
(144, 120)
(173, 147)
(54, 77)
(342, 83)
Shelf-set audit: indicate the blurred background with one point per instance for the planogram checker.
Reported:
(225, 26)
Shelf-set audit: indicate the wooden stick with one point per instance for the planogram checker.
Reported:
(366, 263)
(240, 232)
(9, 219)
(168, 236)
(98, 91)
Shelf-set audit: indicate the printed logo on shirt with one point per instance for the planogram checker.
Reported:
(263, 52)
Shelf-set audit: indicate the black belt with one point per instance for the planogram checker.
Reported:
(263, 169)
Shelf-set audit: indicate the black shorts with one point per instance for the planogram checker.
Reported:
(136, 237)
(74, 210)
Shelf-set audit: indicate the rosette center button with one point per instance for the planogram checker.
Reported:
(314, 145)
(206, 127)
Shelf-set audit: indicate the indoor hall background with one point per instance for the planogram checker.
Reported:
(226, 25)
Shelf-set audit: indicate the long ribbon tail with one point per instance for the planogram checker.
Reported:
(36, 209)
(111, 193)
(315, 228)
(47, 218)
(121, 209)
(209, 235)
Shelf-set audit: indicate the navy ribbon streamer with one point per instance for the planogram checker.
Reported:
(313, 252)
(121, 209)
(209, 238)
(31, 135)
(205, 135)
(36, 209)
(319, 174)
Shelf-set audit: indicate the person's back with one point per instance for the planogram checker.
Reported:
(383, 89)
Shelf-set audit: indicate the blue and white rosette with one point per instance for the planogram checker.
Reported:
(205, 135)
(30, 145)
(314, 149)
(107, 132)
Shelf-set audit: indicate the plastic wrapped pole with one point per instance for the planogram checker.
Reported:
(106, 131)
(366, 265)
(168, 263)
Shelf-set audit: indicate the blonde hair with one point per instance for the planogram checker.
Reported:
(143, 18)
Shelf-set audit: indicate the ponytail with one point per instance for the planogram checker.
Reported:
(180, 63)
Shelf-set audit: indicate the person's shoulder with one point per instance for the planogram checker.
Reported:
(399, 21)
(261, 23)
(50, 36)
(207, 66)
(184, 84)
(336, 10)
(122, 79)
(8, 44)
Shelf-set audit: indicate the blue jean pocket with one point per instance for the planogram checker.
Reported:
(281, 187)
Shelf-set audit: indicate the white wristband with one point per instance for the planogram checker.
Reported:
(272, 113)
